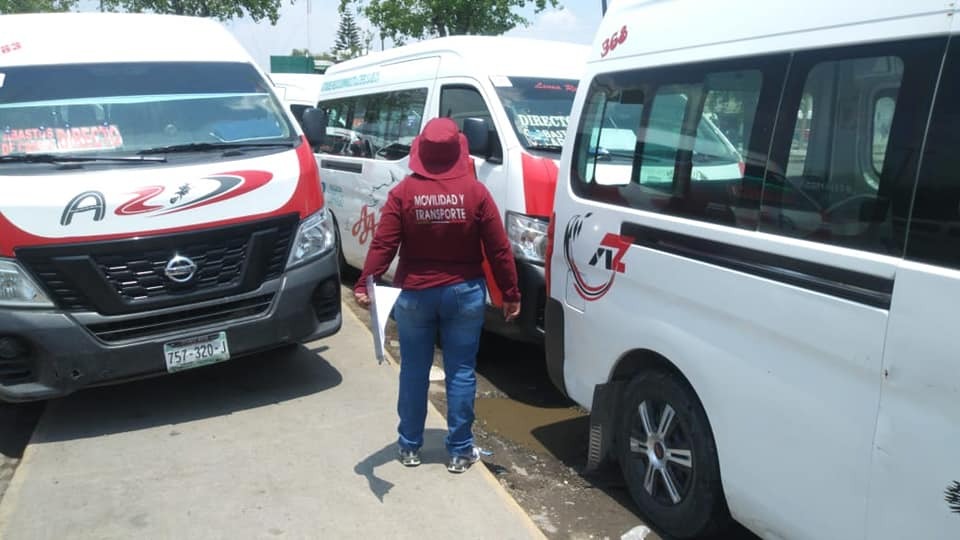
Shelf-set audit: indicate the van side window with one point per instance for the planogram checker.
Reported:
(844, 143)
(935, 220)
(461, 102)
(689, 141)
(377, 126)
(883, 107)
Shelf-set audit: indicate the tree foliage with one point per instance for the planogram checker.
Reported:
(348, 44)
(316, 56)
(35, 6)
(417, 19)
(221, 9)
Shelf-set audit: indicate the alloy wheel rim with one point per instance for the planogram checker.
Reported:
(660, 443)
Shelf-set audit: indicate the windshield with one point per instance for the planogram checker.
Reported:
(125, 108)
(538, 109)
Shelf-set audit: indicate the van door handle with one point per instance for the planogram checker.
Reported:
(346, 166)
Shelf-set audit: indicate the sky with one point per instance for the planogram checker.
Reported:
(576, 21)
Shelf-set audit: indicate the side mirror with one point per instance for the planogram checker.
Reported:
(477, 132)
(314, 125)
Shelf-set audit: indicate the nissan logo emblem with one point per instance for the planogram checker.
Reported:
(180, 269)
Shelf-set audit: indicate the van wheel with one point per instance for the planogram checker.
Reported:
(669, 459)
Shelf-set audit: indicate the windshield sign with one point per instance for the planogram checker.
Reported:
(539, 110)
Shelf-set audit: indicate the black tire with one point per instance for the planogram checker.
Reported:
(685, 456)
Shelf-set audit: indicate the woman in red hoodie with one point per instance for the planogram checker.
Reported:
(442, 220)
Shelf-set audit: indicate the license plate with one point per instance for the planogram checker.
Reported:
(195, 352)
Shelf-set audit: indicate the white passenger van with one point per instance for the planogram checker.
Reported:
(511, 98)
(159, 210)
(754, 293)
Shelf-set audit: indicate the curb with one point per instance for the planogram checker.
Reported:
(10, 499)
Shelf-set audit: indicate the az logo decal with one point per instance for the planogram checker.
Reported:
(608, 256)
(190, 195)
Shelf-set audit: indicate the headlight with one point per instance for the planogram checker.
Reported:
(18, 290)
(528, 236)
(314, 238)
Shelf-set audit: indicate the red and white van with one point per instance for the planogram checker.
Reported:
(160, 210)
(511, 98)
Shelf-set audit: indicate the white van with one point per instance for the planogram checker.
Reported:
(160, 209)
(755, 262)
(511, 98)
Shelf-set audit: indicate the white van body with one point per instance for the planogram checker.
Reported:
(386, 98)
(772, 337)
(299, 91)
(161, 210)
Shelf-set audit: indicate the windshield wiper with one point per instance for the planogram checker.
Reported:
(72, 158)
(546, 147)
(210, 146)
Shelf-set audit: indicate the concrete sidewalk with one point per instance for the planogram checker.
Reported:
(284, 445)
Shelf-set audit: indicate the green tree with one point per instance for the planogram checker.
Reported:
(317, 56)
(221, 9)
(348, 44)
(35, 6)
(417, 19)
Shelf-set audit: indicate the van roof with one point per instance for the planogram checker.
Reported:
(489, 54)
(298, 87)
(671, 26)
(114, 37)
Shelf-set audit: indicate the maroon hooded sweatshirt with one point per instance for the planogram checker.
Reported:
(442, 229)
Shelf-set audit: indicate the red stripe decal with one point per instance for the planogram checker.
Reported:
(307, 198)
(496, 296)
(539, 183)
(137, 205)
(249, 181)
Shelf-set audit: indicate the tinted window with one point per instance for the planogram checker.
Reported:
(689, 141)
(124, 108)
(849, 118)
(379, 126)
(883, 108)
(935, 221)
(461, 102)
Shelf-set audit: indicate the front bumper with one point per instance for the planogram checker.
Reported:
(529, 326)
(47, 353)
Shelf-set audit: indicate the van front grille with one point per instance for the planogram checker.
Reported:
(131, 276)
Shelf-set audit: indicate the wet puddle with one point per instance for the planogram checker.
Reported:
(558, 431)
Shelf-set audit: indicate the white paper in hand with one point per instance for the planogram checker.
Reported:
(382, 299)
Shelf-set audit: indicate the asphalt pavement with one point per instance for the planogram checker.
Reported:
(292, 444)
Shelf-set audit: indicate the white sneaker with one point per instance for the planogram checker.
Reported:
(459, 464)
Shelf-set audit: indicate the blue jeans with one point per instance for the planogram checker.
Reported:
(457, 312)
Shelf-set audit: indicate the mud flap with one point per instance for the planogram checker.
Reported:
(604, 420)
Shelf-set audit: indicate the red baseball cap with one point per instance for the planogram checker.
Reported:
(440, 151)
